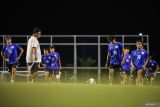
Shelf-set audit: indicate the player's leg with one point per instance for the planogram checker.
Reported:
(151, 80)
(144, 80)
(118, 74)
(140, 78)
(122, 77)
(13, 74)
(10, 71)
(46, 75)
(133, 77)
(35, 69)
(14, 71)
(35, 76)
(111, 71)
(30, 69)
(148, 79)
(56, 75)
(30, 76)
(51, 76)
(59, 76)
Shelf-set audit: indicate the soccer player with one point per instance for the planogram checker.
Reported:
(139, 59)
(10, 55)
(125, 65)
(115, 56)
(151, 70)
(48, 62)
(33, 56)
(57, 67)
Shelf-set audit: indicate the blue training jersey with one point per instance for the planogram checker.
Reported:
(152, 66)
(48, 60)
(115, 51)
(56, 55)
(139, 58)
(127, 63)
(11, 52)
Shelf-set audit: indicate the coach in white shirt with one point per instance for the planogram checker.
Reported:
(33, 56)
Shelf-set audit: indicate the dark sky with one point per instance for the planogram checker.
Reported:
(82, 18)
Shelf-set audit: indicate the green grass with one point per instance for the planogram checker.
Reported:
(75, 95)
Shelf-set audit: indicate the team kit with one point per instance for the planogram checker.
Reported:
(132, 66)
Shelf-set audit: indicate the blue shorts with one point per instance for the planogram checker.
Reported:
(149, 75)
(117, 67)
(126, 72)
(133, 73)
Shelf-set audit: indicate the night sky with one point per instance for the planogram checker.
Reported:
(82, 18)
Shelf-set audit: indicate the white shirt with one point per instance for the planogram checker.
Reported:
(33, 42)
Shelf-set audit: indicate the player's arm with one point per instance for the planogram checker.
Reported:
(144, 66)
(34, 51)
(3, 56)
(21, 52)
(108, 58)
(60, 66)
(132, 65)
(59, 62)
(42, 63)
(20, 49)
(123, 60)
(132, 58)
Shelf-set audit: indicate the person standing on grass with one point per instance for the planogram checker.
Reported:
(114, 57)
(126, 65)
(33, 57)
(10, 54)
(151, 70)
(48, 61)
(57, 66)
(139, 60)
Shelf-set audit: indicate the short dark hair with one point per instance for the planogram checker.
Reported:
(111, 38)
(36, 30)
(127, 47)
(52, 47)
(141, 42)
(46, 48)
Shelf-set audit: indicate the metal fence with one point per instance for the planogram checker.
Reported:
(75, 43)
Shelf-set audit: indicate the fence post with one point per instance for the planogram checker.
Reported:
(75, 59)
(99, 60)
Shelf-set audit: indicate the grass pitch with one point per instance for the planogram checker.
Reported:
(77, 95)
